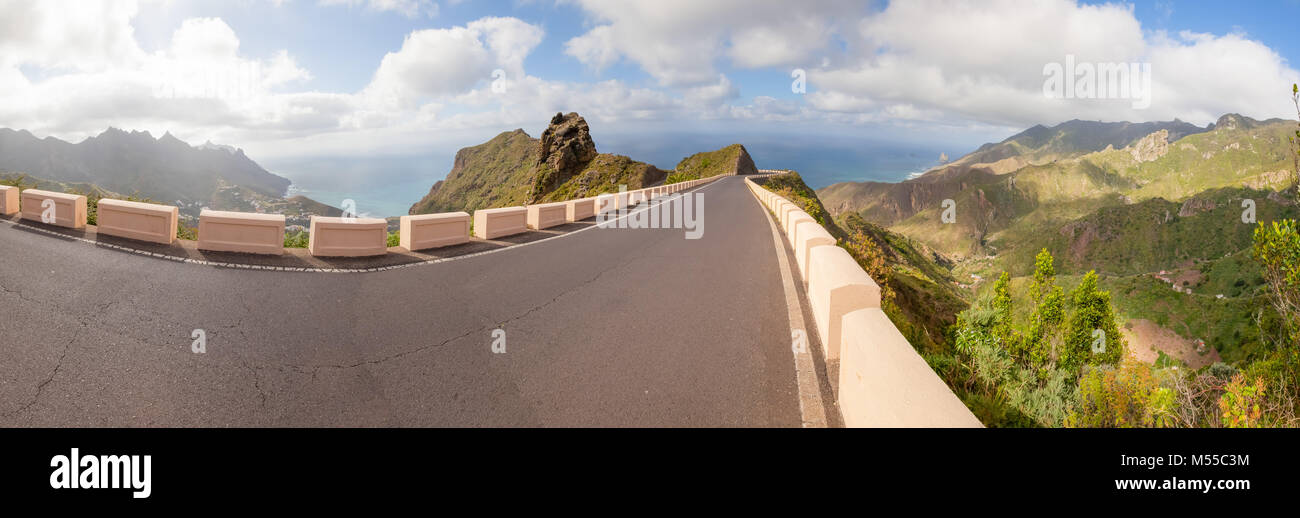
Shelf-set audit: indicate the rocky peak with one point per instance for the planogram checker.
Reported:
(1232, 121)
(1150, 147)
(566, 145)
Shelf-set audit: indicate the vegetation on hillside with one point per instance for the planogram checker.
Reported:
(506, 171)
(916, 292)
(728, 160)
(1193, 233)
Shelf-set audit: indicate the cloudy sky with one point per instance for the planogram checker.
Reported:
(372, 77)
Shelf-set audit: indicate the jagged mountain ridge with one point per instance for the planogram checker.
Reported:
(1169, 163)
(164, 168)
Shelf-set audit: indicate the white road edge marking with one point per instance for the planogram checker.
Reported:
(805, 373)
(331, 270)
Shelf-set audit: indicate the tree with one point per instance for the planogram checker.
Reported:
(1002, 311)
(1044, 328)
(1044, 323)
(1277, 249)
(1091, 326)
(1044, 276)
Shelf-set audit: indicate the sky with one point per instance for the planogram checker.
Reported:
(297, 81)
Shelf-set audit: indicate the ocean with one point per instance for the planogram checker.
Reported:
(385, 186)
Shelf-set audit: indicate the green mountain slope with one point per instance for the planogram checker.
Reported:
(516, 169)
(1159, 218)
(922, 297)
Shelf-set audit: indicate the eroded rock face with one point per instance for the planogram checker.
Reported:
(566, 145)
(1150, 147)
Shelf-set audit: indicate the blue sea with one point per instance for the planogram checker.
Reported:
(385, 186)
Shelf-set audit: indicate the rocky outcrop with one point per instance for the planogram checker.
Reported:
(516, 169)
(564, 150)
(1150, 147)
(566, 145)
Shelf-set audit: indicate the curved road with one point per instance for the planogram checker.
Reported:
(606, 327)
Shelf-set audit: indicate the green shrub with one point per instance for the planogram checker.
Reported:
(297, 239)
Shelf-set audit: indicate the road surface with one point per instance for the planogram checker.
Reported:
(604, 327)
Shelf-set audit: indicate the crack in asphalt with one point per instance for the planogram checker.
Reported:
(19, 293)
(40, 387)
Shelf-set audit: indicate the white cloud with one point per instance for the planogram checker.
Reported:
(407, 8)
(68, 34)
(70, 69)
(983, 62)
(680, 42)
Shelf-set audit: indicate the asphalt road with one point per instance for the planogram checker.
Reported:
(604, 327)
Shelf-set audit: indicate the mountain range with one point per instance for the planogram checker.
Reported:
(1159, 210)
(165, 169)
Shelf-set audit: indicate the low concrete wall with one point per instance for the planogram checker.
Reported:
(882, 380)
(547, 215)
(580, 209)
(506, 221)
(433, 230)
(69, 209)
(837, 285)
(605, 203)
(810, 235)
(792, 225)
(347, 237)
(134, 220)
(884, 383)
(788, 210)
(8, 200)
(246, 232)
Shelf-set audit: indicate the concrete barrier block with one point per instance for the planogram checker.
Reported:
(8, 200)
(788, 212)
(247, 232)
(347, 237)
(506, 221)
(135, 220)
(69, 209)
(810, 235)
(580, 209)
(792, 225)
(778, 210)
(837, 286)
(434, 230)
(605, 203)
(546, 215)
(884, 383)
